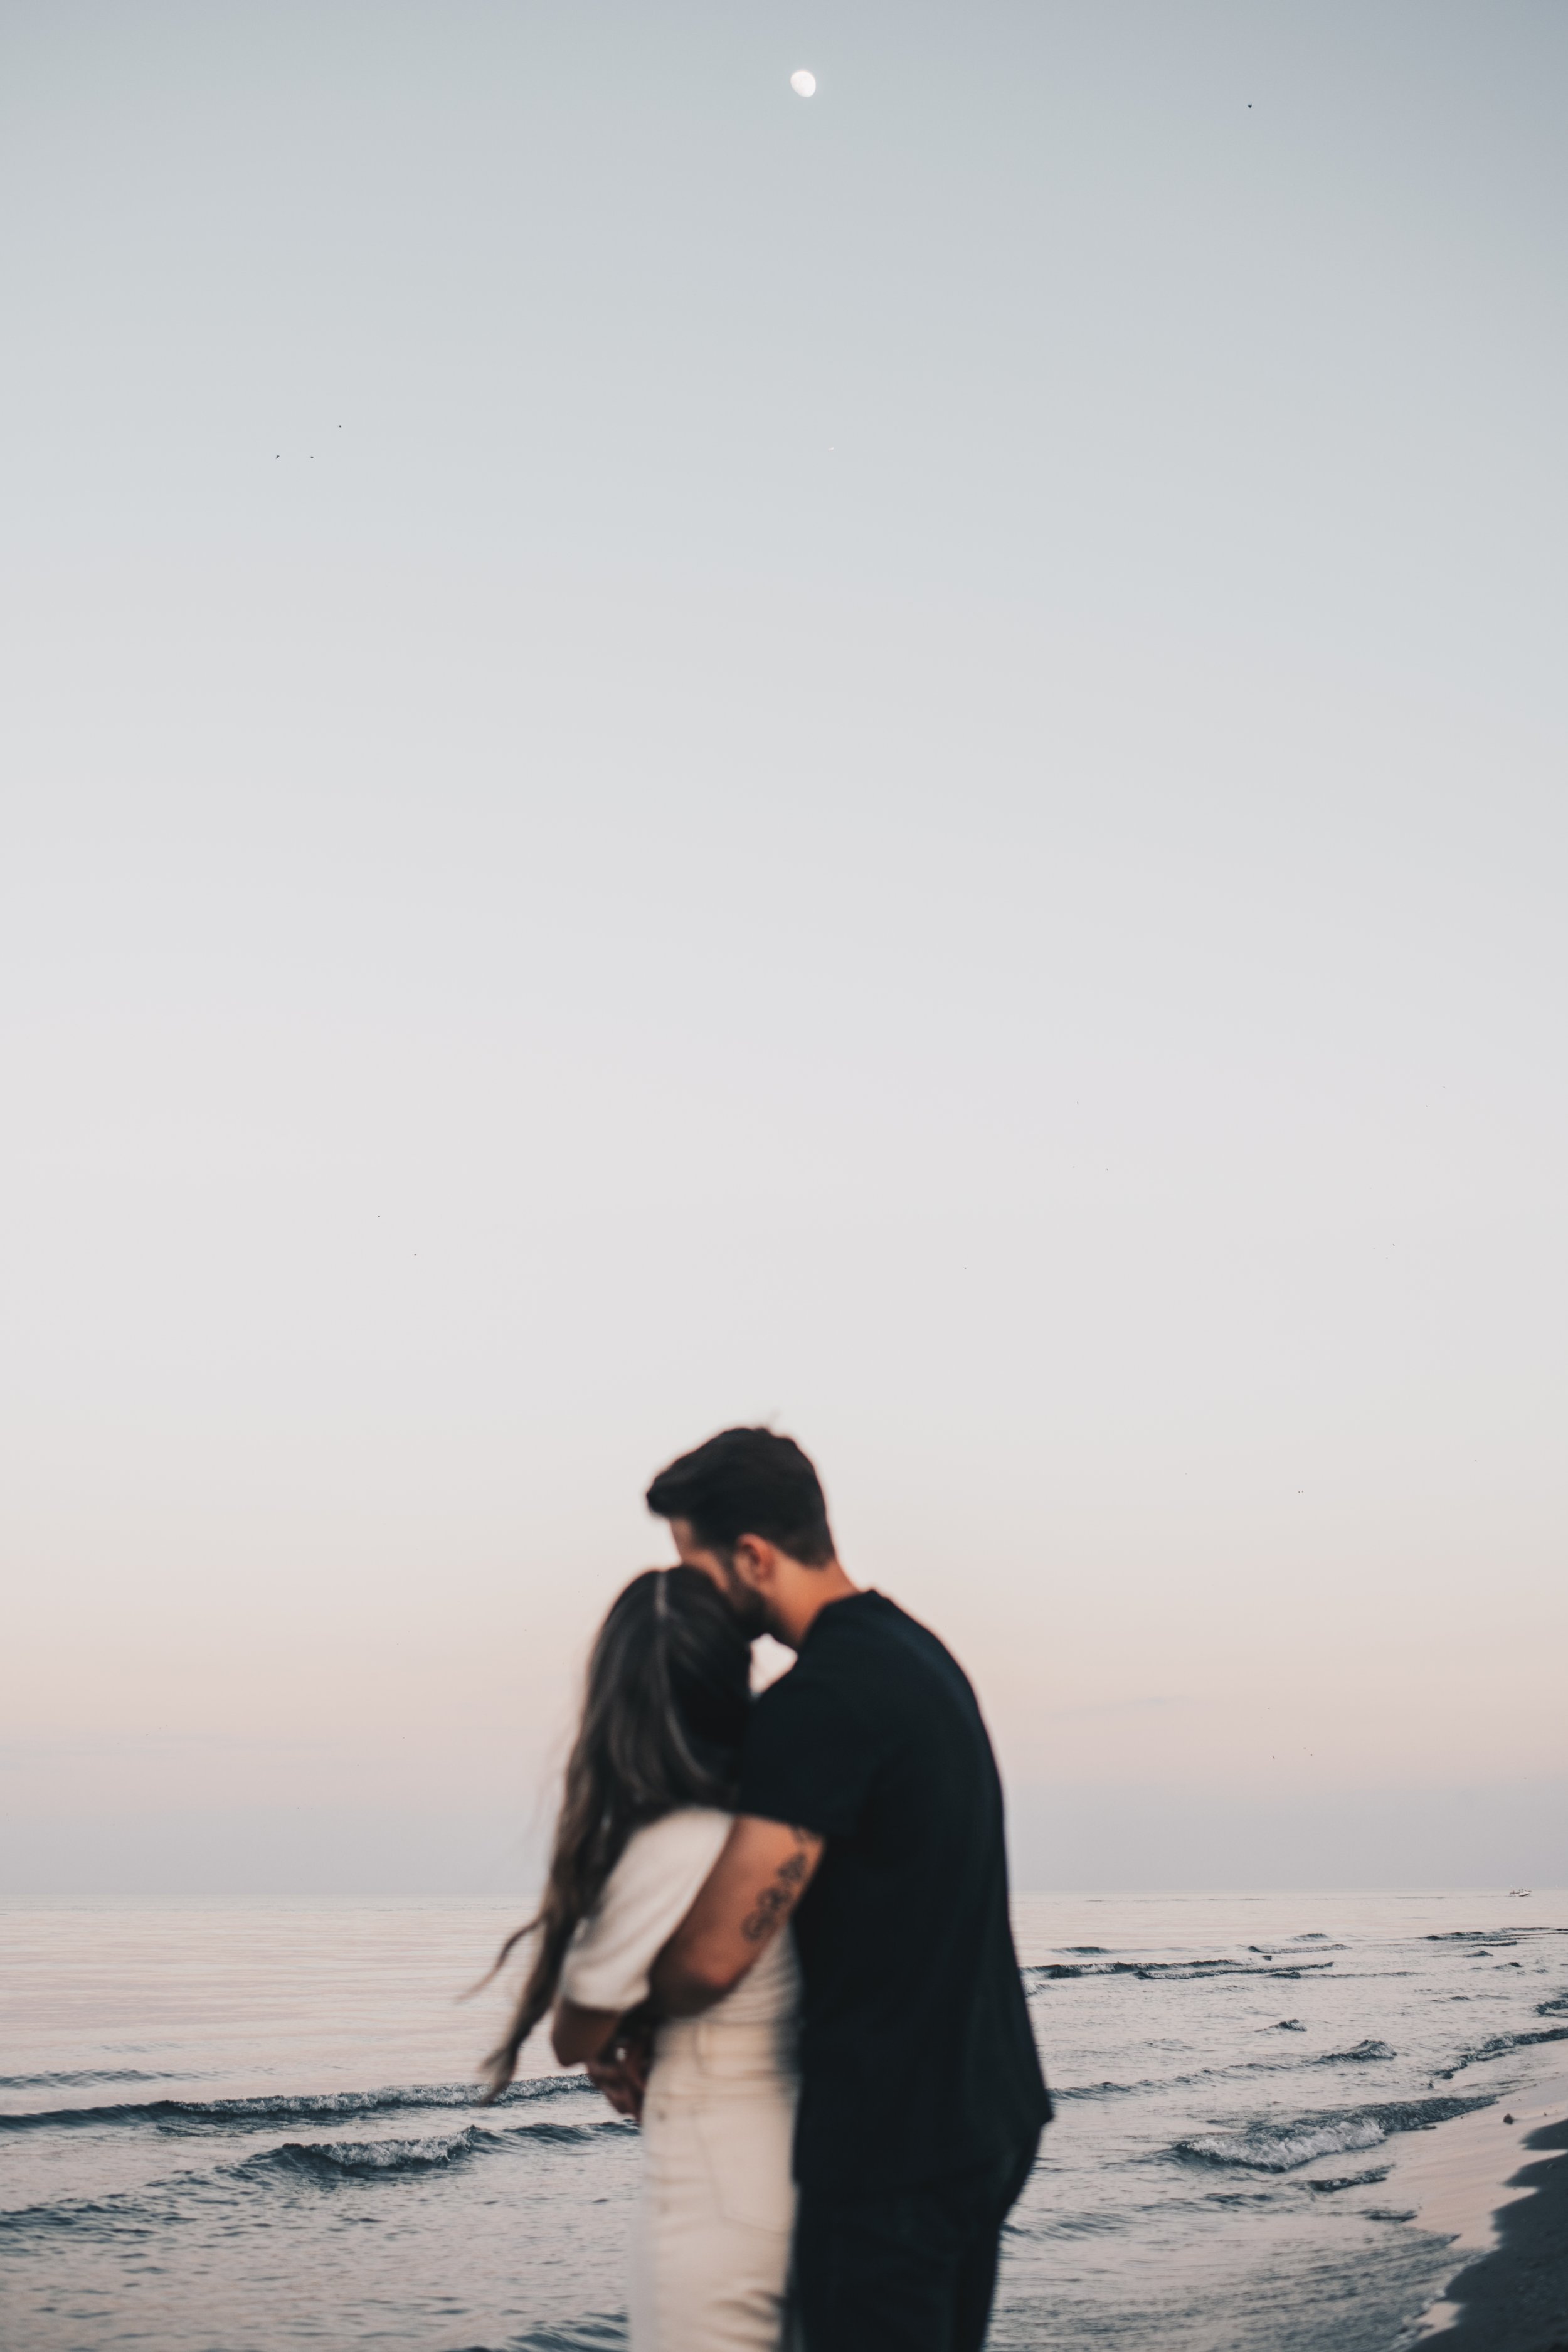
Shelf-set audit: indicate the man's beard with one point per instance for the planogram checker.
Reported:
(751, 1610)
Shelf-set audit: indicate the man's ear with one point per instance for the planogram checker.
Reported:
(754, 1562)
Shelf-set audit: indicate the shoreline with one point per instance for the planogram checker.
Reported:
(1497, 2182)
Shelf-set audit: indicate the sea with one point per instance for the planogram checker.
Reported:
(233, 2126)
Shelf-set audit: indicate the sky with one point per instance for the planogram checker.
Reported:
(892, 763)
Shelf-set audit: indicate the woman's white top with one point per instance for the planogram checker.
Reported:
(747, 2039)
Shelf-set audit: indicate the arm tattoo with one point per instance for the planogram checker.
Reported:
(773, 1905)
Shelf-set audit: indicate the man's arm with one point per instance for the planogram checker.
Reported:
(761, 1875)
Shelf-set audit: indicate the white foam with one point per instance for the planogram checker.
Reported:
(1282, 2148)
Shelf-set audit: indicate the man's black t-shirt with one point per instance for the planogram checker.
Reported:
(916, 2057)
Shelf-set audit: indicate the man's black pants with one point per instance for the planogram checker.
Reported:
(904, 2270)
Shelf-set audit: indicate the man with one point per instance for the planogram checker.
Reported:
(870, 1809)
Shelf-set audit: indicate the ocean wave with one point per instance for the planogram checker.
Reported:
(1099, 2090)
(568, 2135)
(1499, 2047)
(1281, 2148)
(1469, 1936)
(1171, 1971)
(106, 2216)
(86, 2078)
(330, 2158)
(270, 2111)
(1420, 2114)
(593, 2334)
(1096, 2222)
(334, 2158)
(134, 2216)
(1514, 1932)
(1285, 2146)
(1363, 2054)
(1326, 2184)
(1555, 2007)
(1324, 1943)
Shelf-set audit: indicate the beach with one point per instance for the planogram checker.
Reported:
(1498, 2180)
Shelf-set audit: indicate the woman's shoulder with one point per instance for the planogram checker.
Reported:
(643, 1902)
(651, 1887)
(675, 1837)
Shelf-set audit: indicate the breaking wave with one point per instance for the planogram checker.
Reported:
(1499, 2047)
(1285, 2147)
(332, 2158)
(1281, 2148)
(139, 2215)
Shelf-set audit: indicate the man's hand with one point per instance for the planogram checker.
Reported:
(764, 1870)
(621, 2068)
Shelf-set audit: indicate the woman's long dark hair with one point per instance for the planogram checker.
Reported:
(663, 1718)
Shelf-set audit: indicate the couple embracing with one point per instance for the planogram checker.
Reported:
(777, 1931)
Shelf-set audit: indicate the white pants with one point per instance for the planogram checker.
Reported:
(712, 2240)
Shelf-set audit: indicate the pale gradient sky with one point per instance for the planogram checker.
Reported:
(673, 755)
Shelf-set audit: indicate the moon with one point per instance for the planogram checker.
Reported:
(804, 84)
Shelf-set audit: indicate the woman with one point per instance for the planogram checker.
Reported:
(642, 1820)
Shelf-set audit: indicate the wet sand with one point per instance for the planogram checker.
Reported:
(1497, 2181)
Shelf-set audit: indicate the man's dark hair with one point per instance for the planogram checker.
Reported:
(747, 1481)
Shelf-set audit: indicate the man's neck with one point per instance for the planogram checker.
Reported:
(808, 1592)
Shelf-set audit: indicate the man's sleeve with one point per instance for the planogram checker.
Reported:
(808, 1759)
